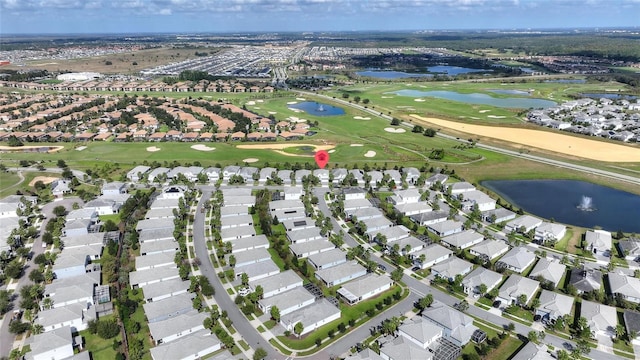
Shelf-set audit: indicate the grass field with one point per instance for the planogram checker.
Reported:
(391, 149)
(120, 63)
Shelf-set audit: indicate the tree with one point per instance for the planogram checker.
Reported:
(429, 132)
(275, 313)
(232, 260)
(425, 302)
(298, 328)
(59, 211)
(61, 164)
(108, 328)
(36, 276)
(522, 300)
(13, 269)
(245, 279)
(395, 122)
(260, 354)
(535, 303)
(533, 336)
(620, 330)
(18, 327)
(482, 288)
(396, 275)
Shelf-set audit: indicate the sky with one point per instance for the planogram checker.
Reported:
(233, 16)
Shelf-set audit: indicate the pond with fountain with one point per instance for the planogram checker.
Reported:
(572, 202)
(317, 108)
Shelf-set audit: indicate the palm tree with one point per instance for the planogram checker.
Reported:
(620, 330)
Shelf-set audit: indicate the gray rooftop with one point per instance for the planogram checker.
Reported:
(311, 314)
(150, 224)
(156, 260)
(549, 270)
(192, 345)
(311, 247)
(275, 282)
(288, 299)
(452, 267)
(238, 231)
(304, 235)
(167, 287)
(463, 239)
(150, 275)
(173, 325)
(169, 307)
(158, 246)
(336, 274)
(155, 234)
(328, 257)
(364, 285)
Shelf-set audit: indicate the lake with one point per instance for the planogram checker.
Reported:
(453, 70)
(390, 74)
(559, 199)
(317, 109)
(609, 96)
(482, 99)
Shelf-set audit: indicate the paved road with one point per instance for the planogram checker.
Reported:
(420, 289)
(6, 338)
(540, 159)
(248, 332)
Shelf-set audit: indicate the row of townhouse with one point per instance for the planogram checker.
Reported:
(150, 86)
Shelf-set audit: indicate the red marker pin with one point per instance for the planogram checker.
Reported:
(322, 158)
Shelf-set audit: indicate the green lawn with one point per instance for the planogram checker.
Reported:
(7, 182)
(101, 349)
(114, 217)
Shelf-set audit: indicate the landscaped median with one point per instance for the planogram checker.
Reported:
(352, 317)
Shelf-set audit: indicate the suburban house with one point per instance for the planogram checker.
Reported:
(137, 173)
(259, 270)
(250, 256)
(515, 286)
(407, 196)
(602, 319)
(489, 249)
(341, 273)
(460, 187)
(476, 198)
(288, 301)
(164, 289)
(154, 261)
(463, 240)
(308, 248)
(517, 259)
(498, 215)
(549, 232)
(249, 243)
(523, 224)
(308, 234)
(598, 242)
(632, 323)
(56, 344)
(312, 317)
(174, 328)
(554, 305)
(192, 346)
(451, 267)
(445, 228)
(238, 232)
(431, 255)
(420, 332)
(168, 308)
(403, 348)
(152, 276)
(479, 276)
(457, 327)
(76, 316)
(630, 248)
(585, 279)
(550, 270)
(430, 218)
(276, 284)
(327, 259)
(626, 286)
(365, 288)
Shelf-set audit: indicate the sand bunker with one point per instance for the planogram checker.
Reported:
(483, 111)
(361, 118)
(45, 180)
(547, 140)
(370, 154)
(394, 130)
(301, 99)
(272, 112)
(257, 108)
(201, 147)
(296, 119)
(259, 100)
(251, 102)
(153, 149)
(250, 160)
(496, 116)
(331, 151)
(386, 97)
(292, 102)
(354, 145)
(419, 100)
(80, 148)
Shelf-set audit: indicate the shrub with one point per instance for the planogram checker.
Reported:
(108, 328)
